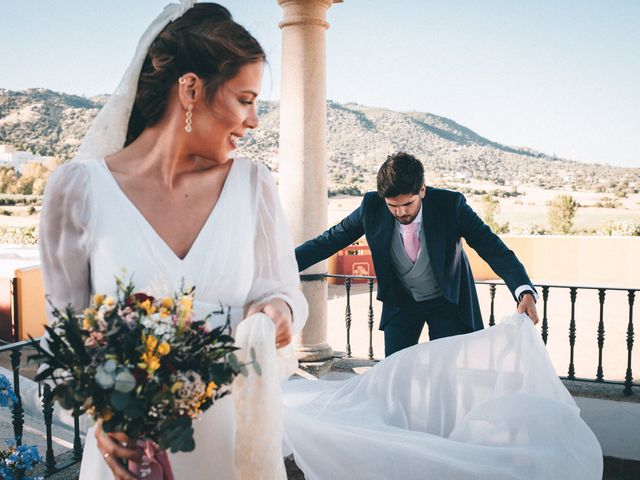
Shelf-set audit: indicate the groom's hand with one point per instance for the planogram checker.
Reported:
(528, 305)
(280, 313)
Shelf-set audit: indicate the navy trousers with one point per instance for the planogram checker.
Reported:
(403, 325)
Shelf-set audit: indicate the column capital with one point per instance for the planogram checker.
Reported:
(305, 12)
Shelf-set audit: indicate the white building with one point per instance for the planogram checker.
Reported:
(10, 157)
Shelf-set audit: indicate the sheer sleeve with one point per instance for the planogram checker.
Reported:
(276, 271)
(64, 237)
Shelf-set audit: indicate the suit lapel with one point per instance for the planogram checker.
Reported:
(379, 236)
(383, 234)
(433, 235)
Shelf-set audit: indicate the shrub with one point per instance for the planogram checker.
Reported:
(562, 210)
(621, 229)
(491, 208)
(19, 235)
(607, 202)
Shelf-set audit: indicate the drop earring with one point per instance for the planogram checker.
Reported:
(188, 119)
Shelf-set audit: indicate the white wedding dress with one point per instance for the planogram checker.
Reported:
(487, 405)
(90, 231)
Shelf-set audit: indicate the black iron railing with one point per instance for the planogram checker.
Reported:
(348, 279)
(51, 464)
(600, 338)
(628, 384)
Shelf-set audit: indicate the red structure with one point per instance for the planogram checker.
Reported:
(6, 320)
(352, 260)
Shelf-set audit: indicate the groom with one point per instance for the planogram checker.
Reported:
(414, 233)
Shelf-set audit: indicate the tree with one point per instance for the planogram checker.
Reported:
(562, 210)
(24, 186)
(33, 179)
(491, 208)
(8, 180)
(38, 186)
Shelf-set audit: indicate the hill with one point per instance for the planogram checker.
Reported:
(359, 138)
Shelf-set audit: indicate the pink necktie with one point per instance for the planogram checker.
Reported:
(410, 240)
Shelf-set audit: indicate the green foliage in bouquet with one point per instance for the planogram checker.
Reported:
(143, 365)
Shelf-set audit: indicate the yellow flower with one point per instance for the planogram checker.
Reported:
(186, 302)
(167, 302)
(148, 307)
(151, 343)
(109, 301)
(176, 386)
(153, 364)
(150, 362)
(89, 318)
(211, 389)
(163, 349)
(98, 299)
(163, 312)
(106, 414)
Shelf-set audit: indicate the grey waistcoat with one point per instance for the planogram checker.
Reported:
(417, 278)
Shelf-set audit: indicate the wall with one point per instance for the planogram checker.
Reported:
(564, 259)
(31, 302)
(580, 260)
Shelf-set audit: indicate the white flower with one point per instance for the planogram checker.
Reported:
(160, 327)
(191, 393)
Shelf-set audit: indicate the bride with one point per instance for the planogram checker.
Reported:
(154, 191)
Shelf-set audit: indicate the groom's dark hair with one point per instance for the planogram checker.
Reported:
(400, 174)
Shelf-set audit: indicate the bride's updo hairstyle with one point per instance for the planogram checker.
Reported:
(205, 41)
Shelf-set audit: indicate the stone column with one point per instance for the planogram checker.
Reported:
(303, 152)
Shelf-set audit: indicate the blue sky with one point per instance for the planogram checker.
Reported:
(562, 77)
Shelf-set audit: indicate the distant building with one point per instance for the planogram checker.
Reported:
(10, 157)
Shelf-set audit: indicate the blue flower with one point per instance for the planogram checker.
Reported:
(25, 457)
(18, 460)
(7, 397)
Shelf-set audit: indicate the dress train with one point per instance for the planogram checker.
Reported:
(487, 405)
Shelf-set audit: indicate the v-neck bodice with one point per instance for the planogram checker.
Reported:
(128, 204)
(123, 238)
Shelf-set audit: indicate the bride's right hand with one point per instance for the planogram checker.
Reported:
(116, 453)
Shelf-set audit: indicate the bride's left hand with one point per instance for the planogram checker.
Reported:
(280, 313)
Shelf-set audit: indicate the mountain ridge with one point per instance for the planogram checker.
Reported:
(360, 137)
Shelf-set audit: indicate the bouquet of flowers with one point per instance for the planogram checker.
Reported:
(16, 460)
(143, 365)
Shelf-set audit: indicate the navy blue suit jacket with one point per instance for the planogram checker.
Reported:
(447, 219)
